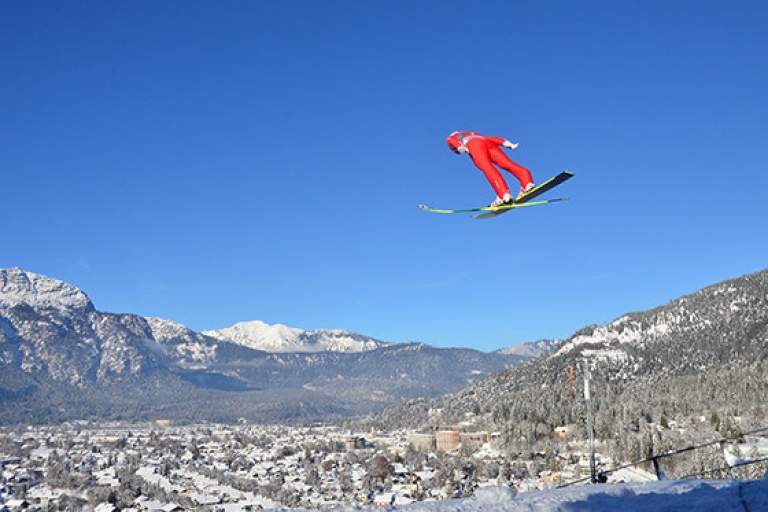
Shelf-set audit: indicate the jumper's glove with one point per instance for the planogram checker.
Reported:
(510, 145)
(462, 149)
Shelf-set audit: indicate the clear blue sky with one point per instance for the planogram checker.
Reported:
(212, 162)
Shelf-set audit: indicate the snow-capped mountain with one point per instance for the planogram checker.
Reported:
(281, 338)
(185, 343)
(62, 358)
(531, 349)
(48, 326)
(27, 288)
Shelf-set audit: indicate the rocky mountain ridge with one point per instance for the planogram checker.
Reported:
(281, 338)
(62, 358)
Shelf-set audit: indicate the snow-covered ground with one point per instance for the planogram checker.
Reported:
(664, 496)
(753, 448)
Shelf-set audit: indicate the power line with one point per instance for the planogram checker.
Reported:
(672, 453)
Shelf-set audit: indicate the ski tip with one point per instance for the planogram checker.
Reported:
(423, 206)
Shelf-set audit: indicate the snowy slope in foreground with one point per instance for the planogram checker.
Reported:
(671, 495)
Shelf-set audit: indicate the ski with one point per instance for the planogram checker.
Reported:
(535, 192)
(546, 186)
(494, 210)
(525, 200)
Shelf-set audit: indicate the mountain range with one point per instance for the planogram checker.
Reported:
(695, 367)
(61, 358)
(704, 355)
(281, 338)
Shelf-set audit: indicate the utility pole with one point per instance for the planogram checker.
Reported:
(590, 424)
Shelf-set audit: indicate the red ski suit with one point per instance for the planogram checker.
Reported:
(485, 152)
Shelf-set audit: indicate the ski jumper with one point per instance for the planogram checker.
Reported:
(485, 152)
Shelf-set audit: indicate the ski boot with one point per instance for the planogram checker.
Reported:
(501, 201)
(524, 190)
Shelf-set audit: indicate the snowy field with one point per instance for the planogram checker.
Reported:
(671, 495)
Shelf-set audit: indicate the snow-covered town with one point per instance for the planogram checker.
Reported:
(157, 466)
